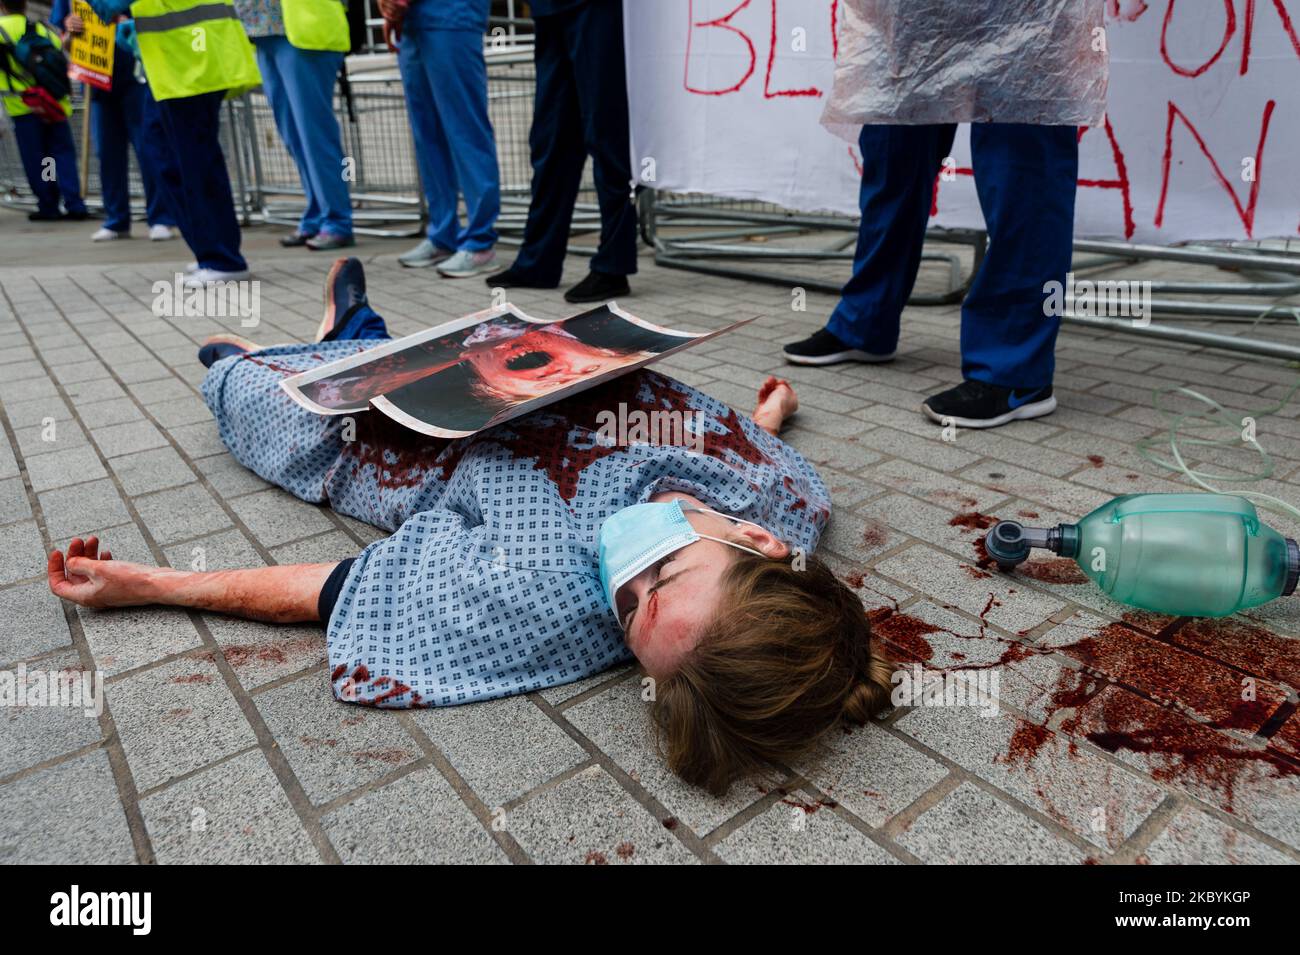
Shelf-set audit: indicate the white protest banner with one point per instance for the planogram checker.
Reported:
(1200, 139)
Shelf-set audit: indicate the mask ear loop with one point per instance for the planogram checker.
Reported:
(729, 517)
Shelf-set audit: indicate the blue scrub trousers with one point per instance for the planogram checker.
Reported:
(1025, 178)
(580, 108)
(197, 184)
(300, 87)
(444, 76)
(37, 141)
(121, 116)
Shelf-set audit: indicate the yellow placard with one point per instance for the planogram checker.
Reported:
(90, 54)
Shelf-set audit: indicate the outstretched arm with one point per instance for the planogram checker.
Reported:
(284, 594)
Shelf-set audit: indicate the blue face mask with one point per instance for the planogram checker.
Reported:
(636, 537)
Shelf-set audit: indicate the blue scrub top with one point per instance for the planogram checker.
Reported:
(548, 8)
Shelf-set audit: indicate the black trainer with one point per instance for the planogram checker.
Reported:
(977, 404)
(823, 348)
(345, 291)
(598, 287)
(510, 278)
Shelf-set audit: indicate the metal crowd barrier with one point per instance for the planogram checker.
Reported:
(745, 240)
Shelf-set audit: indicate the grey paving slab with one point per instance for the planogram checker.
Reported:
(276, 517)
(501, 749)
(40, 731)
(22, 552)
(261, 653)
(130, 438)
(126, 638)
(234, 813)
(14, 504)
(334, 747)
(61, 468)
(68, 813)
(152, 470)
(176, 718)
(1197, 838)
(971, 827)
(181, 513)
(77, 511)
(870, 772)
(589, 819)
(798, 830)
(618, 721)
(380, 828)
(31, 622)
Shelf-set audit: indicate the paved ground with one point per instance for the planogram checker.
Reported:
(220, 741)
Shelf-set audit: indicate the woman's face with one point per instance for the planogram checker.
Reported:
(665, 608)
(538, 362)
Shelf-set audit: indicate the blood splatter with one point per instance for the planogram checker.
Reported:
(670, 823)
(973, 520)
(361, 674)
(1053, 570)
(875, 534)
(596, 858)
(1244, 644)
(391, 755)
(625, 850)
(191, 678)
(1096, 460)
(1028, 515)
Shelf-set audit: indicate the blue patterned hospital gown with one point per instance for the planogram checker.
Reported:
(488, 586)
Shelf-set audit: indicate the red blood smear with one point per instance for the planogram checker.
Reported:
(982, 558)
(800, 502)
(192, 678)
(242, 654)
(974, 520)
(1028, 515)
(392, 755)
(596, 858)
(1127, 717)
(361, 674)
(339, 670)
(397, 689)
(905, 632)
(670, 823)
(1053, 570)
(625, 850)
(770, 386)
(1096, 460)
(856, 580)
(1245, 645)
(651, 611)
(875, 534)
(1168, 675)
(562, 441)
(976, 572)
(1287, 737)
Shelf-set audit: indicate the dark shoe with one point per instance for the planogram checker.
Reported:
(345, 289)
(977, 404)
(512, 279)
(329, 241)
(295, 239)
(45, 217)
(598, 287)
(823, 348)
(81, 215)
(223, 346)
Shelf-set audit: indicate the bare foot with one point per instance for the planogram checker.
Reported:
(776, 402)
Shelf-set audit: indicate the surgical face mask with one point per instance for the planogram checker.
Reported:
(636, 537)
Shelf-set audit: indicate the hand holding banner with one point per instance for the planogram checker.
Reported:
(90, 53)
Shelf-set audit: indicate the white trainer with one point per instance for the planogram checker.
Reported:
(161, 233)
(465, 263)
(201, 277)
(107, 235)
(423, 255)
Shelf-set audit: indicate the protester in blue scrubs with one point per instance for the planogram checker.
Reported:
(580, 109)
(123, 116)
(439, 47)
(1007, 342)
(1030, 75)
(299, 85)
(39, 141)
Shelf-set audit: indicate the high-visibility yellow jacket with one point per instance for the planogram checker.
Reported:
(316, 24)
(191, 47)
(15, 24)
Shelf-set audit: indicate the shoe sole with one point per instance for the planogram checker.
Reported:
(422, 263)
(465, 273)
(1035, 409)
(852, 354)
(327, 320)
(593, 299)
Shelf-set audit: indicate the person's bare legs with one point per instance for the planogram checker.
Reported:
(776, 402)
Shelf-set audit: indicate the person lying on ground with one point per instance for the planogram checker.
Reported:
(537, 552)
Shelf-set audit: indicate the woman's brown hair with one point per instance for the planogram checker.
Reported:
(788, 656)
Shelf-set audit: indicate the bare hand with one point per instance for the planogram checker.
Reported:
(74, 24)
(91, 578)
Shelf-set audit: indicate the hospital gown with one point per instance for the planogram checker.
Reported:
(488, 586)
